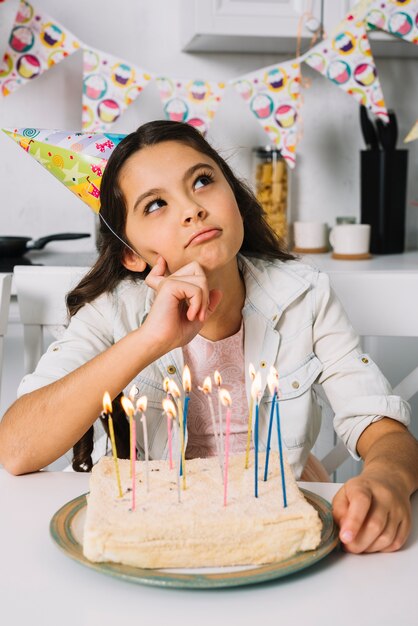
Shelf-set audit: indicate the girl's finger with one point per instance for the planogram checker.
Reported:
(401, 536)
(157, 273)
(359, 504)
(385, 538)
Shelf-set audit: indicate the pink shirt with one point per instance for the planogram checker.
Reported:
(204, 357)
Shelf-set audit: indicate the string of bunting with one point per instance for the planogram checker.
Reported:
(110, 84)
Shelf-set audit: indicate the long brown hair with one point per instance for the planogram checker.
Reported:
(259, 241)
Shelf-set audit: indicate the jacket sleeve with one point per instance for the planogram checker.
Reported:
(89, 333)
(357, 390)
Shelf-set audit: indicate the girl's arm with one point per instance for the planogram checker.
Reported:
(373, 509)
(42, 425)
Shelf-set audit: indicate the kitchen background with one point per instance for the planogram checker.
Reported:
(325, 182)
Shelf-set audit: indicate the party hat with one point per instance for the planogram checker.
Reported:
(76, 159)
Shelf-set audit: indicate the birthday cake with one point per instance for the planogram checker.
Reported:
(198, 531)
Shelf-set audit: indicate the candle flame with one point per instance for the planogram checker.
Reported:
(217, 378)
(207, 385)
(274, 372)
(169, 408)
(107, 402)
(272, 380)
(141, 404)
(132, 392)
(127, 405)
(173, 388)
(256, 386)
(166, 382)
(225, 397)
(187, 379)
(252, 371)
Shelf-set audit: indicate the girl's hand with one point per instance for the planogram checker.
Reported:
(373, 512)
(182, 305)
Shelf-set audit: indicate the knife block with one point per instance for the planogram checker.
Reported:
(383, 198)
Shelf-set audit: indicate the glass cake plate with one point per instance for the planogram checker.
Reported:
(67, 525)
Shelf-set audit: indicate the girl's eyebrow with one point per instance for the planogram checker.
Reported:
(155, 191)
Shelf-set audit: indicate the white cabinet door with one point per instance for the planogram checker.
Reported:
(243, 25)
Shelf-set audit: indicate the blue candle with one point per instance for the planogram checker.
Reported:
(185, 409)
(279, 437)
(256, 451)
(266, 467)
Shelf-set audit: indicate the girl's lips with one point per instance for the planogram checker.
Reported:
(205, 235)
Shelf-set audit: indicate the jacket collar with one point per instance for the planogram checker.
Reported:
(271, 287)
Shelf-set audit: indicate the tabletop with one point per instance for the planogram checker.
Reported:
(40, 585)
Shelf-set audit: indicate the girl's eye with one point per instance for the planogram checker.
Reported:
(203, 180)
(151, 207)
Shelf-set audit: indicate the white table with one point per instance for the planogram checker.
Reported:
(41, 585)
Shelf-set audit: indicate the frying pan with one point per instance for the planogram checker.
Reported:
(17, 246)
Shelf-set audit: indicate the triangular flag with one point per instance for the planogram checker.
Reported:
(413, 133)
(37, 43)
(110, 85)
(194, 102)
(273, 95)
(397, 17)
(76, 159)
(347, 61)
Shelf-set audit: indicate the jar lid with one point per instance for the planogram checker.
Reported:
(266, 150)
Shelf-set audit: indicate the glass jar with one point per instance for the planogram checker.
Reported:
(271, 187)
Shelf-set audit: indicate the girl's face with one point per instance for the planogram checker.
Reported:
(180, 207)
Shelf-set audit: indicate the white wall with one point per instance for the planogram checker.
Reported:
(325, 183)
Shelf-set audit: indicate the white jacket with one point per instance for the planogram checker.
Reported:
(292, 320)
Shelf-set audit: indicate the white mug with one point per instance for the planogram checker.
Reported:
(310, 235)
(350, 239)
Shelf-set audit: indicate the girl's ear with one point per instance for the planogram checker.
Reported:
(133, 262)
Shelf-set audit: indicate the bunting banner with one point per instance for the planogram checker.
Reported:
(37, 42)
(194, 102)
(347, 61)
(397, 17)
(273, 96)
(76, 159)
(110, 85)
(413, 133)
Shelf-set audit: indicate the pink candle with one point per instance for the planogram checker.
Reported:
(226, 401)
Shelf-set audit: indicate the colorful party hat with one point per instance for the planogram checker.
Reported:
(76, 159)
(413, 133)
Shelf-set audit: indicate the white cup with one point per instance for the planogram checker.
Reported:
(310, 236)
(350, 239)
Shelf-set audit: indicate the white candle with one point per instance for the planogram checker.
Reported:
(141, 407)
(207, 390)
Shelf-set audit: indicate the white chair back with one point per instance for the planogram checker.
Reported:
(41, 294)
(378, 304)
(5, 289)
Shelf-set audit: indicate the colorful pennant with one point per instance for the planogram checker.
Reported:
(347, 61)
(273, 95)
(413, 133)
(192, 101)
(37, 42)
(76, 159)
(110, 85)
(397, 17)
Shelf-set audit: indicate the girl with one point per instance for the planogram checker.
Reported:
(189, 271)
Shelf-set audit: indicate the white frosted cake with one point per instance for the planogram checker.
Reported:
(199, 531)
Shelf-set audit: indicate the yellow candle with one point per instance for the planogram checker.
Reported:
(107, 407)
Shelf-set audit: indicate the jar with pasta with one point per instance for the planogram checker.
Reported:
(271, 187)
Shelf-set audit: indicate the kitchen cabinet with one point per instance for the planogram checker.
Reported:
(268, 26)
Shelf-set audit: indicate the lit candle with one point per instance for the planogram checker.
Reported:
(218, 382)
(279, 437)
(170, 411)
(250, 417)
(255, 393)
(166, 382)
(128, 407)
(107, 408)
(187, 386)
(207, 390)
(226, 401)
(272, 382)
(141, 407)
(175, 392)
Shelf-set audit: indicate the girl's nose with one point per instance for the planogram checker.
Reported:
(194, 213)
